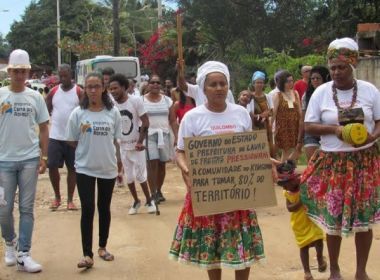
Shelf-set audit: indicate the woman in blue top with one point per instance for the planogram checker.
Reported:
(94, 128)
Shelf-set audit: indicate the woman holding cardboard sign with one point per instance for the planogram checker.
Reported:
(230, 239)
(342, 181)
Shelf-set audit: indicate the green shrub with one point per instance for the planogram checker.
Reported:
(270, 63)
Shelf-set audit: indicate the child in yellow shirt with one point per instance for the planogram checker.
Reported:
(307, 234)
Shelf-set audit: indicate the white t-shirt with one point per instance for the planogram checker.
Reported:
(131, 111)
(95, 132)
(158, 113)
(202, 122)
(63, 102)
(272, 93)
(135, 92)
(19, 116)
(322, 109)
(200, 98)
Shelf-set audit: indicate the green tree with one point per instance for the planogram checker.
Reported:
(4, 47)
(36, 32)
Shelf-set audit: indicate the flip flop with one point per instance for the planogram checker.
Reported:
(71, 206)
(308, 277)
(55, 204)
(323, 267)
(86, 262)
(105, 255)
(336, 278)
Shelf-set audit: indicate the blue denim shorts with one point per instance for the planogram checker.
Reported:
(311, 140)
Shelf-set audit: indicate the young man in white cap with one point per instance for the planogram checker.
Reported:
(21, 158)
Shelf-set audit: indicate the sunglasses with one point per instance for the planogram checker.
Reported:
(155, 82)
(94, 87)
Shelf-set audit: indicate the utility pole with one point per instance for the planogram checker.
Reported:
(58, 35)
(159, 11)
(116, 27)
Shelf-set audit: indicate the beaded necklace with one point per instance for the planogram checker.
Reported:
(353, 100)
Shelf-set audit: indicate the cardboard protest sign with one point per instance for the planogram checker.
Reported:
(229, 172)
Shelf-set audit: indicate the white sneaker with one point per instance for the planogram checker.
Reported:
(10, 253)
(151, 207)
(134, 208)
(26, 263)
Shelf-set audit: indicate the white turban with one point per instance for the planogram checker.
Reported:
(346, 43)
(344, 49)
(211, 67)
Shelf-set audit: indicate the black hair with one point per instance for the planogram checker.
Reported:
(282, 79)
(107, 102)
(65, 67)
(121, 79)
(272, 83)
(182, 98)
(325, 74)
(108, 71)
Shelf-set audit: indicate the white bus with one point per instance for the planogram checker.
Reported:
(127, 65)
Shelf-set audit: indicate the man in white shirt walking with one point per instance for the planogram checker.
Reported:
(23, 154)
(135, 125)
(61, 101)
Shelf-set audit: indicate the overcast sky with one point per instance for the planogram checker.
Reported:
(11, 11)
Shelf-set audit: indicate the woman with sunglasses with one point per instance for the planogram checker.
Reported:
(318, 76)
(158, 145)
(94, 129)
(288, 116)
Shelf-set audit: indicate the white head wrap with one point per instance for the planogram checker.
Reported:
(211, 67)
(346, 50)
(345, 43)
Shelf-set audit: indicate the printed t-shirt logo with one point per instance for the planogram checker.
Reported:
(85, 127)
(101, 128)
(127, 124)
(6, 107)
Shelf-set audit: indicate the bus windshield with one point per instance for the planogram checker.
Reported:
(128, 68)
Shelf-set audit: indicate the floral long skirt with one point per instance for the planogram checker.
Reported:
(230, 239)
(341, 190)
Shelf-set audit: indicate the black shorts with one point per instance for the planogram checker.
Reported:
(60, 152)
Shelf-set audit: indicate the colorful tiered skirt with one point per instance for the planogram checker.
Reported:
(341, 190)
(230, 239)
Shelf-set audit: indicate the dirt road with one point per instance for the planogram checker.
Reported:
(140, 243)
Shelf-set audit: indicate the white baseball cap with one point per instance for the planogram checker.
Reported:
(19, 59)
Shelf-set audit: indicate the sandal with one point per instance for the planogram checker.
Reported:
(86, 262)
(308, 277)
(105, 255)
(323, 266)
(71, 206)
(336, 278)
(55, 204)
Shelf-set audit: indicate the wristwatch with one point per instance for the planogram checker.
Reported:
(45, 158)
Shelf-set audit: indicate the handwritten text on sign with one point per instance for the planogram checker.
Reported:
(229, 172)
